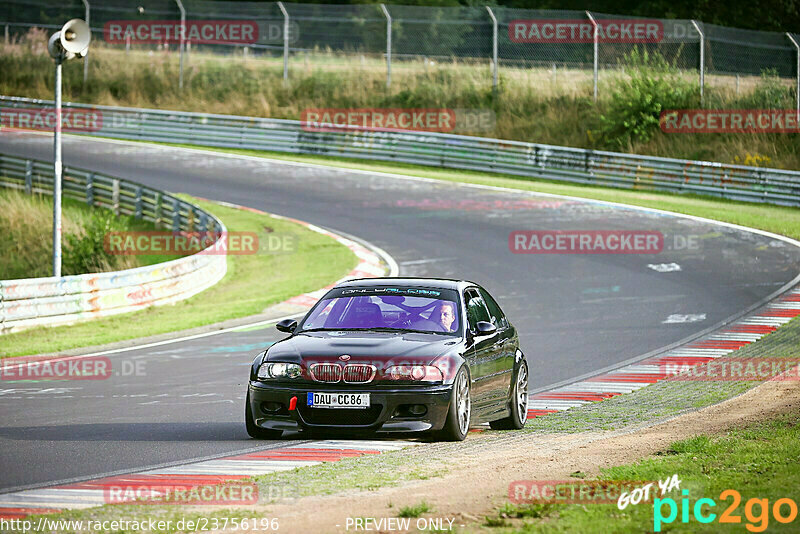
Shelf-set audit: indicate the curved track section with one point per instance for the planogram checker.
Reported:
(577, 313)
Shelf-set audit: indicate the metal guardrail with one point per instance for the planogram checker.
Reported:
(59, 300)
(591, 167)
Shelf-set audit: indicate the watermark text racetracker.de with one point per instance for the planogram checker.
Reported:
(169, 31)
(68, 368)
(209, 243)
(45, 119)
(733, 369)
(397, 119)
(43, 523)
(586, 242)
(227, 494)
(730, 121)
(575, 491)
(582, 31)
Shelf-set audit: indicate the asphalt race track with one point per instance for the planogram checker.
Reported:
(577, 313)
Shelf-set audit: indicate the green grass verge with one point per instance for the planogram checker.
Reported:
(778, 219)
(759, 461)
(252, 283)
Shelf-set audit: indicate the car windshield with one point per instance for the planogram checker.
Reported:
(372, 310)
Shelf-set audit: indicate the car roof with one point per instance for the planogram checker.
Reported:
(437, 283)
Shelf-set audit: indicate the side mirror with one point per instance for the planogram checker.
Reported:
(287, 325)
(485, 328)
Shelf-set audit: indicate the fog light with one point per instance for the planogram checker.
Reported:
(271, 407)
(417, 409)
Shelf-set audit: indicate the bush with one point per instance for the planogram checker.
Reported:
(769, 93)
(84, 251)
(632, 115)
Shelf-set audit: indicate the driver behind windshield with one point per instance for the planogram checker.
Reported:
(445, 316)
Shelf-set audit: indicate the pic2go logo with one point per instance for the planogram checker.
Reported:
(756, 511)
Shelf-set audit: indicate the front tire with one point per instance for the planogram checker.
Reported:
(456, 425)
(253, 430)
(519, 402)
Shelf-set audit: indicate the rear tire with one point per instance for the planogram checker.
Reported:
(519, 402)
(253, 430)
(456, 425)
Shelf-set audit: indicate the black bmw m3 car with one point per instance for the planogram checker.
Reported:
(392, 355)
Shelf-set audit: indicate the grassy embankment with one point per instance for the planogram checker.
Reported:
(252, 283)
(533, 104)
(26, 238)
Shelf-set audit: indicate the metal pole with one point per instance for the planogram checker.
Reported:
(797, 88)
(388, 46)
(596, 59)
(57, 176)
(182, 37)
(285, 41)
(702, 60)
(86, 57)
(494, 48)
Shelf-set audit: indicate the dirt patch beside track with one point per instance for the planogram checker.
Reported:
(480, 470)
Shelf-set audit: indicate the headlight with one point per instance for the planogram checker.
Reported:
(278, 370)
(415, 373)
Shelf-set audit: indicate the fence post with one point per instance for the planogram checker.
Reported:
(8, 40)
(86, 57)
(90, 189)
(494, 49)
(388, 46)
(596, 54)
(285, 41)
(702, 60)
(797, 88)
(183, 37)
(29, 176)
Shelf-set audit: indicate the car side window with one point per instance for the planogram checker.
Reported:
(476, 310)
(498, 317)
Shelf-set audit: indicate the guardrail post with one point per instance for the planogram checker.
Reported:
(388, 46)
(285, 41)
(115, 196)
(90, 189)
(157, 209)
(176, 216)
(86, 57)
(702, 60)
(183, 37)
(29, 176)
(587, 164)
(137, 211)
(797, 73)
(494, 49)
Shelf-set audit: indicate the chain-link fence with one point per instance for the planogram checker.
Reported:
(584, 46)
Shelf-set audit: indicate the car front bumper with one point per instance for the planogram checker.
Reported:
(388, 410)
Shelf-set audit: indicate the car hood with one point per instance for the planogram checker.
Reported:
(367, 347)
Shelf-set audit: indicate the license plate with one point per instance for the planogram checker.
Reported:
(338, 400)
